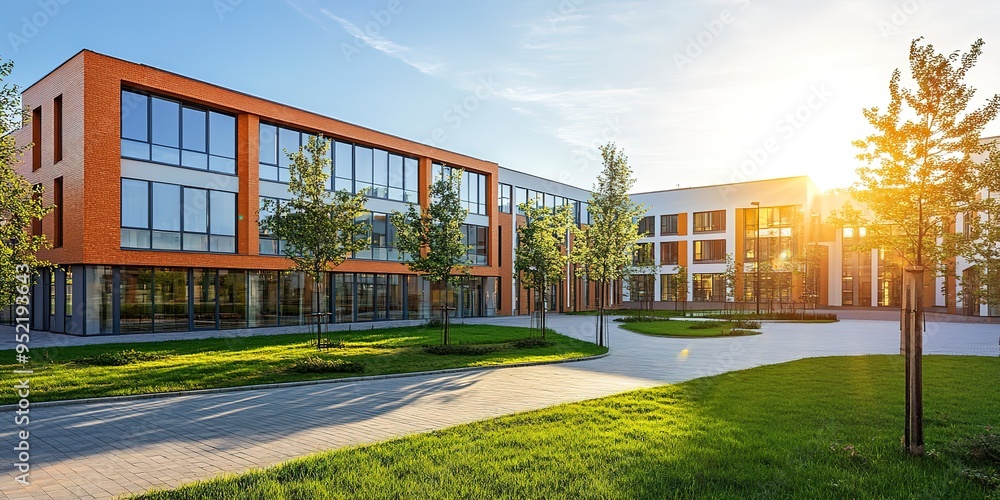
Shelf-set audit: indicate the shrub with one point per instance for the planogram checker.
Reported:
(316, 364)
(464, 349)
(433, 323)
(750, 324)
(120, 358)
(739, 332)
(640, 319)
(532, 342)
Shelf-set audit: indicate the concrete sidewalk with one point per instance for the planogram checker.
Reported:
(107, 449)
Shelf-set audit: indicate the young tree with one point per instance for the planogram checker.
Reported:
(321, 229)
(604, 249)
(20, 202)
(730, 274)
(679, 282)
(541, 242)
(432, 238)
(919, 173)
(642, 276)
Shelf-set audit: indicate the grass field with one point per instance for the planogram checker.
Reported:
(814, 428)
(61, 374)
(687, 329)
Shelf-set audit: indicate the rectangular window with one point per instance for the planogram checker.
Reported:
(708, 287)
(57, 200)
(643, 254)
(705, 222)
(709, 250)
(668, 252)
(503, 202)
(171, 217)
(36, 138)
(232, 299)
(669, 288)
(521, 198)
(475, 237)
(668, 224)
(194, 152)
(204, 297)
(646, 227)
(136, 300)
(262, 298)
(166, 131)
(170, 300)
(344, 167)
(472, 187)
(343, 292)
(57, 129)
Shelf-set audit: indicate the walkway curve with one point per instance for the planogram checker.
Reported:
(102, 450)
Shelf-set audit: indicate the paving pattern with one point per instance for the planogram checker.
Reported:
(107, 449)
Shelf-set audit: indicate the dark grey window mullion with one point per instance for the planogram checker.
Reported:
(218, 311)
(190, 295)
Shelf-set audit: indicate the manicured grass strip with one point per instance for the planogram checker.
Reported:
(681, 328)
(146, 367)
(814, 428)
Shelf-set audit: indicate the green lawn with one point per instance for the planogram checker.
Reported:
(681, 328)
(236, 361)
(815, 428)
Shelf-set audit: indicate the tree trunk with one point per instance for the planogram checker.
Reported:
(912, 327)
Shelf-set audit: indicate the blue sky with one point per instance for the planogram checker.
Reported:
(697, 92)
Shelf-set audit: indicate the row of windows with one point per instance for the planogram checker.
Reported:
(162, 216)
(472, 189)
(705, 251)
(706, 287)
(383, 240)
(580, 209)
(162, 130)
(384, 174)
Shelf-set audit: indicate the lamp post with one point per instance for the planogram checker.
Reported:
(756, 257)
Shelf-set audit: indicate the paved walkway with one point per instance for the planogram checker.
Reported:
(106, 449)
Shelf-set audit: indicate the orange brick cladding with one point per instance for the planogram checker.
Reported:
(91, 84)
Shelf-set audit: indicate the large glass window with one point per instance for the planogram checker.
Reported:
(521, 197)
(669, 290)
(708, 287)
(668, 224)
(136, 302)
(170, 300)
(503, 202)
(182, 218)
(292, 298)
(262, 295)
(204, 298)
(158, 129)
(135, 214)
(472, 188)
(669, 252)
(476, 238)
(232, 299)
(709, 250)
(99, 281)
(343, 293)
(646, 226)
(383, 238)
(705, 222)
